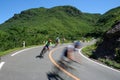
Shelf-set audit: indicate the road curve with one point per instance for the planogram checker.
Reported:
(90, 70)
(24, 66)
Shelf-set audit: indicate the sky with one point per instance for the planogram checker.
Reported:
(10, 7)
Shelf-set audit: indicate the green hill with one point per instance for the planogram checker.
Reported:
(108, 19)
(38, 24)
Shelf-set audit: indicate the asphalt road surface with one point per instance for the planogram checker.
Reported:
(24, 65)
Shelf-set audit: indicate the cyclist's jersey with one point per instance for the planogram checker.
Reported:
(47, 44)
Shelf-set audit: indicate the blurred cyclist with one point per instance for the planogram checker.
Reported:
(57, 41)
(71, 53)
(77, 46)
(68, 54)
(63, 40)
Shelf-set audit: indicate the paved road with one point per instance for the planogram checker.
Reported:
(24, 66)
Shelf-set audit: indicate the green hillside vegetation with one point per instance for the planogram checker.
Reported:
(107, 20)
(39, 24)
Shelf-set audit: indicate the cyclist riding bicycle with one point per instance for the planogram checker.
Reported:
(45, 48)
(57, 41)
(71, 53)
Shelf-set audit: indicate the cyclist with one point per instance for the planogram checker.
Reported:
(63, 40)
(57, 41)
(77, 46)
(68, 53)
(67, 57)
(71, 53)
(45, 48)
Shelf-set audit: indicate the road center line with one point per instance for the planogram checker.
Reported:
(62, 69)
(1, 64)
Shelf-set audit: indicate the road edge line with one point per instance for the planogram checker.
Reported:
(97, 62)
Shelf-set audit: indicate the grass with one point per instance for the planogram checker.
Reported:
(87, 51)
(110, 63)
(9, 51)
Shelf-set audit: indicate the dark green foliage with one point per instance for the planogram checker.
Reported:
(108, 19)
(117, 58)
(37, 25)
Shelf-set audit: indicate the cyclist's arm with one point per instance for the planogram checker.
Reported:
(45, 43)
(52, 44)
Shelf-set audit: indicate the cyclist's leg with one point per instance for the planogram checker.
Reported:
(45, 50)
(42, 52)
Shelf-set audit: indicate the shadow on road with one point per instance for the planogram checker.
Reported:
(53, 76)
(40, 57)
(57, 74)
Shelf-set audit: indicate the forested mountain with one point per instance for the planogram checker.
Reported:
(107, 20)
(38, 24)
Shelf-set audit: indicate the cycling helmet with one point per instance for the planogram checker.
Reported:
(49, 40)
(77, 44)
(70, 47)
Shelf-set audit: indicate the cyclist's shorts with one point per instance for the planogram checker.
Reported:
(47, 46)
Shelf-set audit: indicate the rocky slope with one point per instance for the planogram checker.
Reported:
(111, 42)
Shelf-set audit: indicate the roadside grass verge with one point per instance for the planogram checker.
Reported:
(9, 51)
(110, 63)
(88, 51)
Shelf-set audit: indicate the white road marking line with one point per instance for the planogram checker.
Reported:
(22, 51)
(97, 62)
(19, 52)
(1, 64)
